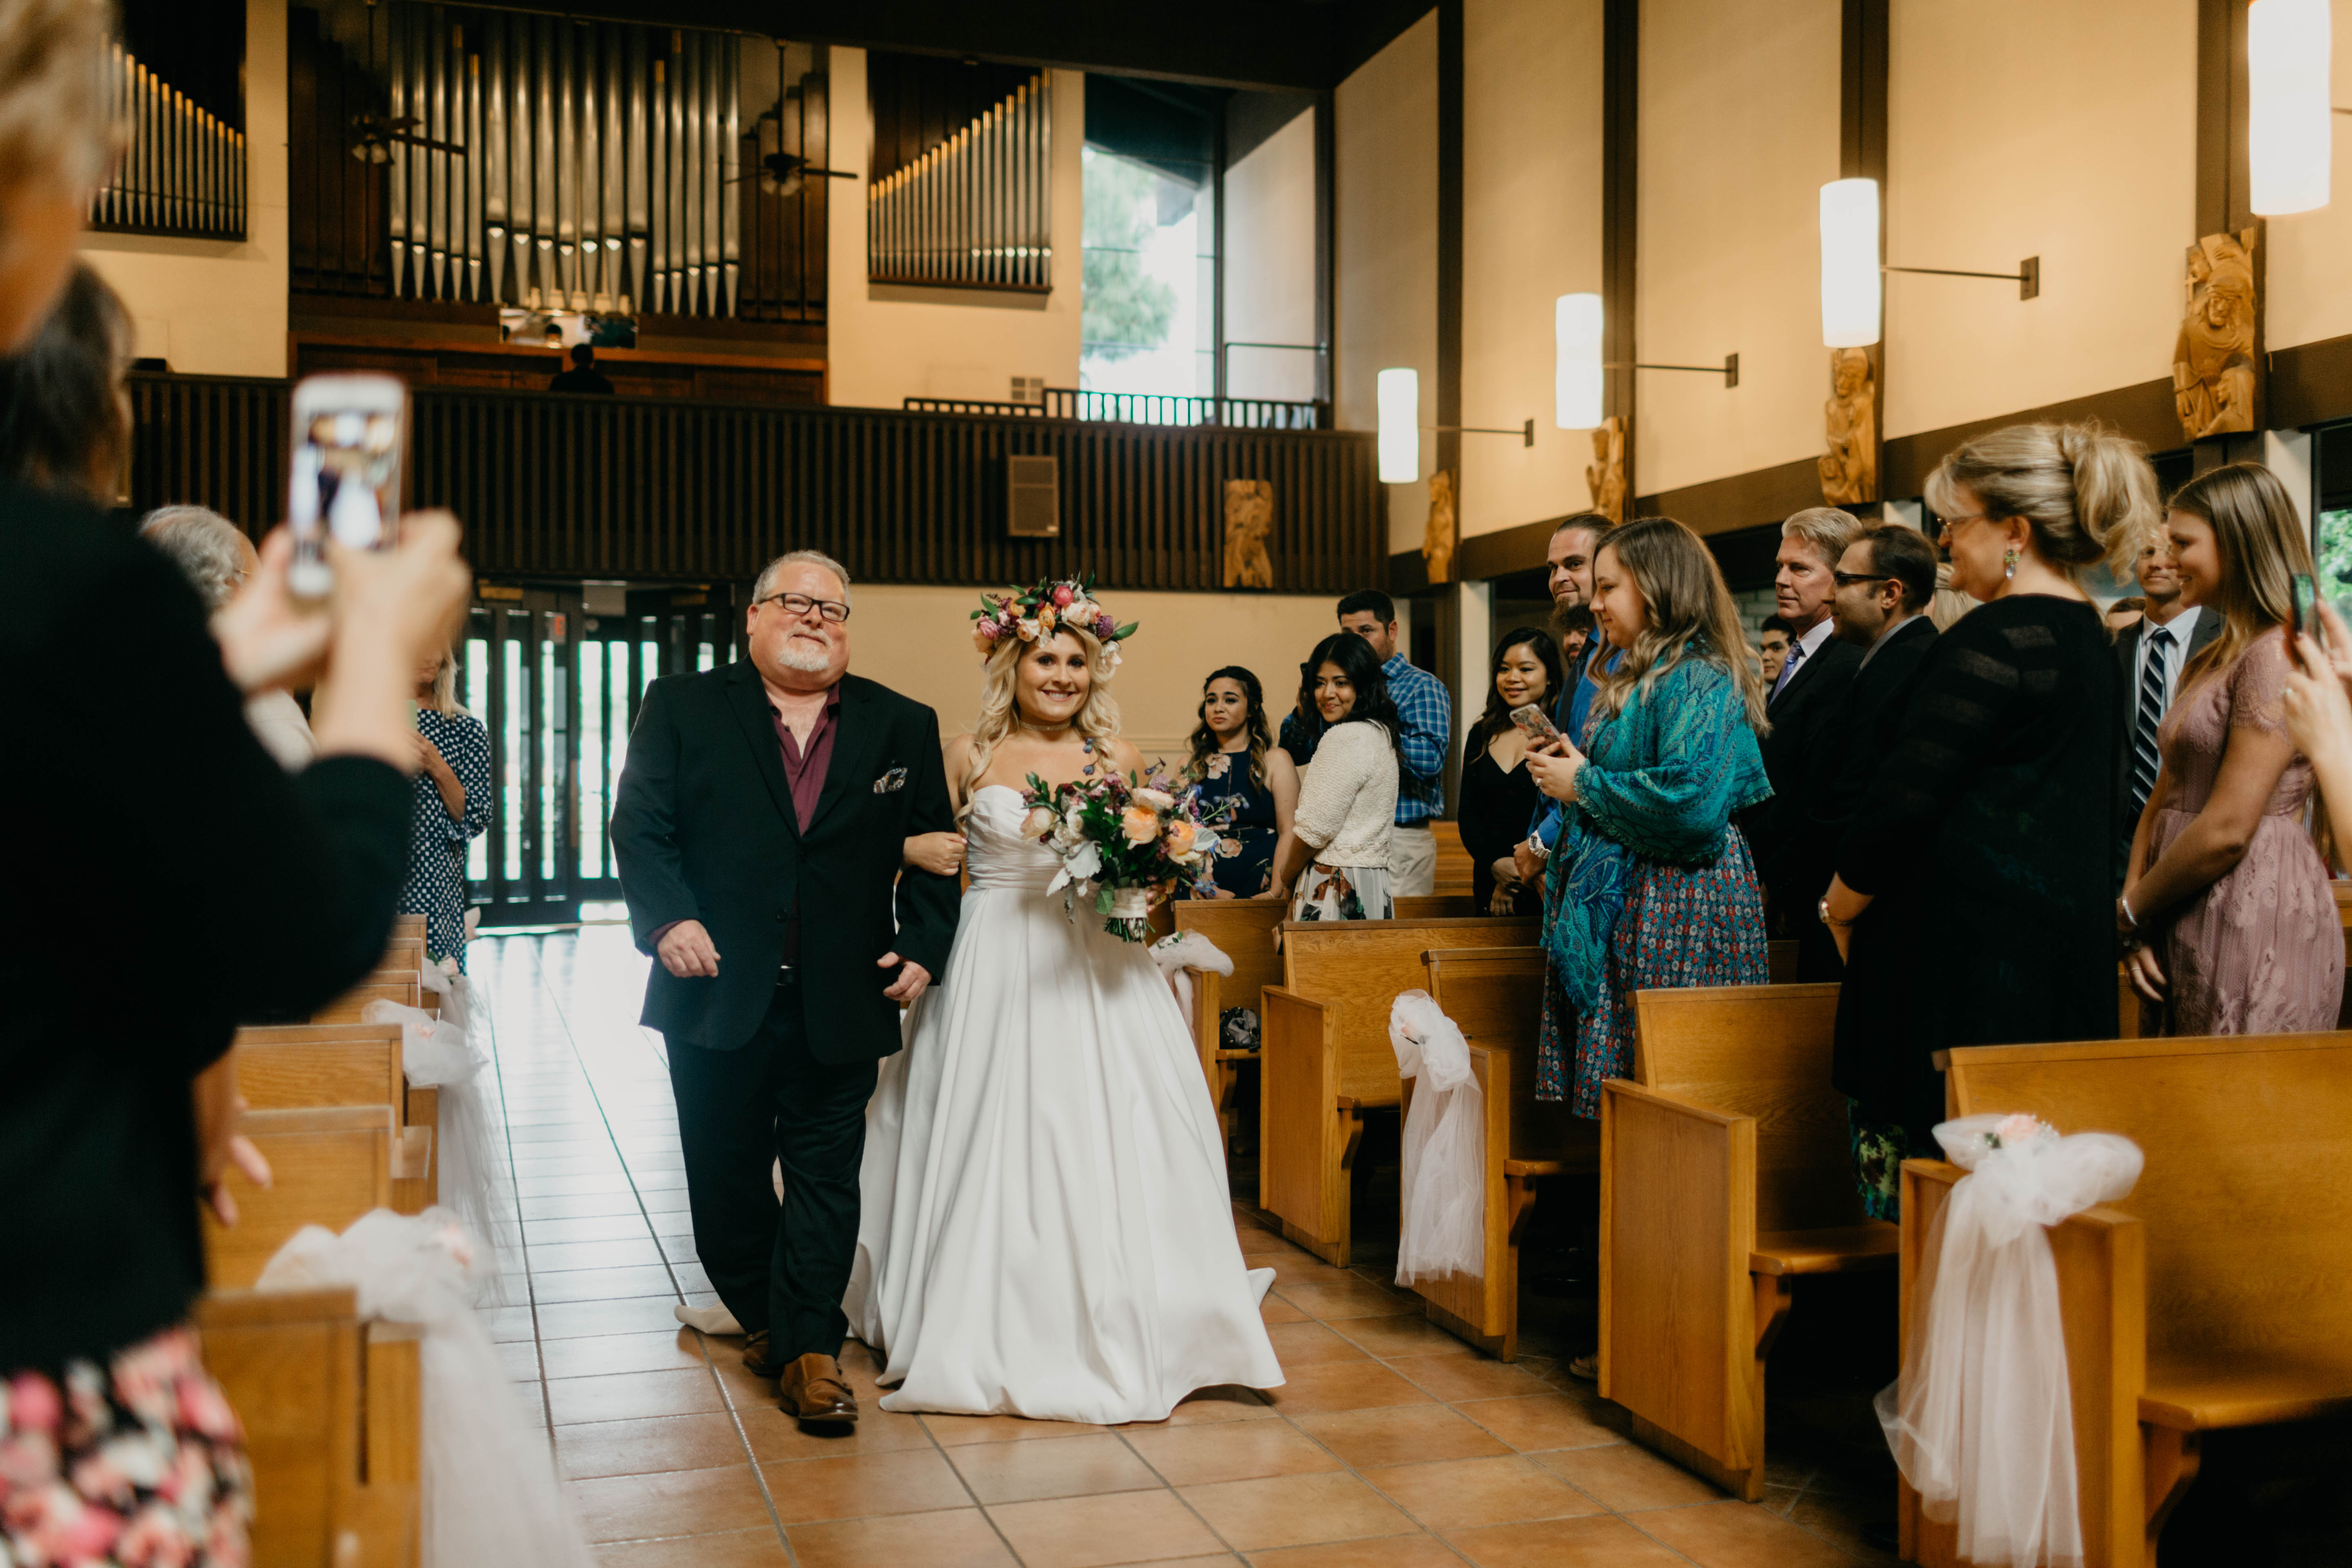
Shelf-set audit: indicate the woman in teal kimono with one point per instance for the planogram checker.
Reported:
(1650, 885)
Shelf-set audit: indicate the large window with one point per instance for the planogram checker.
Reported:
(1151, 275)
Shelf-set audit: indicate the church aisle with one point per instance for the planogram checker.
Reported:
(1393, 1445)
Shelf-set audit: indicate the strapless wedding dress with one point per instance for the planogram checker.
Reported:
(1046, 1229)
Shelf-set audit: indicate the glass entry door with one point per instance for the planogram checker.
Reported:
(559, 690)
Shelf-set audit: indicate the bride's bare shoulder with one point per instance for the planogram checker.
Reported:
(956, 750)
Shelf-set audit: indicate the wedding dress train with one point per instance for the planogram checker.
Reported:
(1046, 1228)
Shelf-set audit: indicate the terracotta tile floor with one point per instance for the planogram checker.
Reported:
(1393, 1444)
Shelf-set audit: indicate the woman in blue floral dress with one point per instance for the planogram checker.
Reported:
(1650, 885)
(452, 808)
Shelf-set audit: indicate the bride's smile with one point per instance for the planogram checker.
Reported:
(1053, 682)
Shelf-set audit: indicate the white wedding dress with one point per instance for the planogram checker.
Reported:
(1046, 1228)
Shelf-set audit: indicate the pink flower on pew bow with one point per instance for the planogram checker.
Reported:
(2017, 1128)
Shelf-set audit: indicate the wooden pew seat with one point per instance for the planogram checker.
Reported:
(1834, 1249)
(2213, 1392)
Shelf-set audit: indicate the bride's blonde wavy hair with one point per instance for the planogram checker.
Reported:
(1000, 712)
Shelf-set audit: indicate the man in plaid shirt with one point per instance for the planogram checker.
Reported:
(1427, 710)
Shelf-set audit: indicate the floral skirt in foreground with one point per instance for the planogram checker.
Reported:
(141, 1465)
(1343, 893)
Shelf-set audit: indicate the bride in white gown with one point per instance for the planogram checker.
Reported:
(1046, 1229)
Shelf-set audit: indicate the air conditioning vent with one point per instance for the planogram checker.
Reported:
(1032, 497)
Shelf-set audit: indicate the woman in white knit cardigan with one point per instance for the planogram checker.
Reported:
(1336, 854)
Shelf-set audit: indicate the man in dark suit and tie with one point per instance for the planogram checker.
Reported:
(759, 826)
(2150, 655)
(1885, 583)
(1813, 678)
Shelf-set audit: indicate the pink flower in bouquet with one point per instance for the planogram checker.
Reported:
(1157, 799)
(1038, 823)
(1140, 824)
(1064, 595)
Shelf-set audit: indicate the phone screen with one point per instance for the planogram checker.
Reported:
(2306, 591)
(346, 469)
(1533, 723)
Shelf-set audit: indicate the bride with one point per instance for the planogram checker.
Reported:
(1046, 1229)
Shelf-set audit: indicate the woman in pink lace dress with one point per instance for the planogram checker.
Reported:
(2228, 907)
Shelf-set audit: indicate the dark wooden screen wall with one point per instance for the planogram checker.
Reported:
(568, 487)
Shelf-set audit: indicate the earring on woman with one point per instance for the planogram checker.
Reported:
(2009, 564)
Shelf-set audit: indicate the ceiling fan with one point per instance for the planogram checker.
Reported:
(783, 173)
(376, 133)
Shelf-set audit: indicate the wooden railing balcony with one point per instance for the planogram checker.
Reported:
(1143, 408)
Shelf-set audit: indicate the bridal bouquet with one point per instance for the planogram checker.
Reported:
(1124, 841)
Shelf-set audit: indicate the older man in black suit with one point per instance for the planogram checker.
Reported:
(2150, 654)
(1885, 583)
(759, 826)
(1802, 702)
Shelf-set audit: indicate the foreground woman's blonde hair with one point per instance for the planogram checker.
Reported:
(1000, 714)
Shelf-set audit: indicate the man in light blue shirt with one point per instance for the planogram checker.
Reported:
(1427, 710)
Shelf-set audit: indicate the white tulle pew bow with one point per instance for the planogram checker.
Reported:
(1445, 1223)
(1185, 951)
(440, 1053)
(1980, 1419)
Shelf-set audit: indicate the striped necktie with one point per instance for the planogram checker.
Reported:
(2151, 716)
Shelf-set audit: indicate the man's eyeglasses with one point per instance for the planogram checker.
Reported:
(799, 604)
(1848, 579)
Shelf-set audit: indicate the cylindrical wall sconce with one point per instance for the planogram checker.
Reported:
(1849, 277)
(1576, 372)
(1399, 406)
(2290, 127)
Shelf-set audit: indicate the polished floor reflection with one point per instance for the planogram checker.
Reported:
(1392, 1446)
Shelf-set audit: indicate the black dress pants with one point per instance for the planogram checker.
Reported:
(782, 1269)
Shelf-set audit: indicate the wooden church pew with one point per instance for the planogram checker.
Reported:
(2217, 1295)
(289, 1067)
(1494, 997)
(1325, 1057)
(329, 1166)
(1454, 868)
(332, 1409)
(1438, 907)
(1726, 1172)
(1243, 929)
(380, 986)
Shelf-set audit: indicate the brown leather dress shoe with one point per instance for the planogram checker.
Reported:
(756, 1357)
(814, 1389)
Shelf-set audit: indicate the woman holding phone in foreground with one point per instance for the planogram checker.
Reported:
(2226, 907)
(1650, 884)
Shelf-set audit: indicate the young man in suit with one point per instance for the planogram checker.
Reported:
(1884, 583)
(2150, 655)
(1801, 704)
(759, 828)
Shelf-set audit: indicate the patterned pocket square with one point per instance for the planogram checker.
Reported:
(895, 779)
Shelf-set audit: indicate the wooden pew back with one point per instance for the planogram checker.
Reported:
(1358, 968)
(328, 1166)
(384, 986)
(1244, 931)
(1438, 907)
(286, 1068)
(1494, 997)
(1760, 1051)
(2246, 1196)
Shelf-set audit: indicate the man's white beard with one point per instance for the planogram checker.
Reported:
(807, 661)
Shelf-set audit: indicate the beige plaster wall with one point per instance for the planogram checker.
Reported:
(217, 307)
(888, 342)
(918, 640)
(2309, 296)
(1738, 133)
(1531, 232)
(2019, 128)
(1386, 284)
(1270, 265)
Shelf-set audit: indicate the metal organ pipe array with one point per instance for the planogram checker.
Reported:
(975, 211)
(555, 164)
(182, 171)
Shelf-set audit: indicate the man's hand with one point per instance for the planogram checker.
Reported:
(685, 950)
(1525, 861)
(912, 978)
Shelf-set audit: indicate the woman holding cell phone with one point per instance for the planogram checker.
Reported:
(1650, 884)
(2227, 911)
(1498, 794)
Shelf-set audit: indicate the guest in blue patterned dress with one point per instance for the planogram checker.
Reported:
(1234, 759)
(451, 809)
(1651, 884)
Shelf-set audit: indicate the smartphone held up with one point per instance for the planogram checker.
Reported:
(349, 463)
(1535, 724)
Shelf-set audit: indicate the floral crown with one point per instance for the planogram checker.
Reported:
(1036, 612)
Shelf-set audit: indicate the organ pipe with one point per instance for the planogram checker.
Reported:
(180, 172)
(976, 210)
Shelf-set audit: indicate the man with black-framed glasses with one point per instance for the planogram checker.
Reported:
(1883, 585)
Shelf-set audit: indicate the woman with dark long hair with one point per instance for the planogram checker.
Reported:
(1234, 759)
(1337, 851)
(1651, 884)
(1499, 797)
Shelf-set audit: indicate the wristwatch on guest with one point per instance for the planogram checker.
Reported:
(1822, 909)
(1539, 849)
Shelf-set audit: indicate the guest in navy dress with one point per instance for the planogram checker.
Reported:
(452, 808)
(1234, 759)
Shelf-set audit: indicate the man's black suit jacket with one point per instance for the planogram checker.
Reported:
(1837, 776)
(1801, 716)
(703, 828)
(2209, 626)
